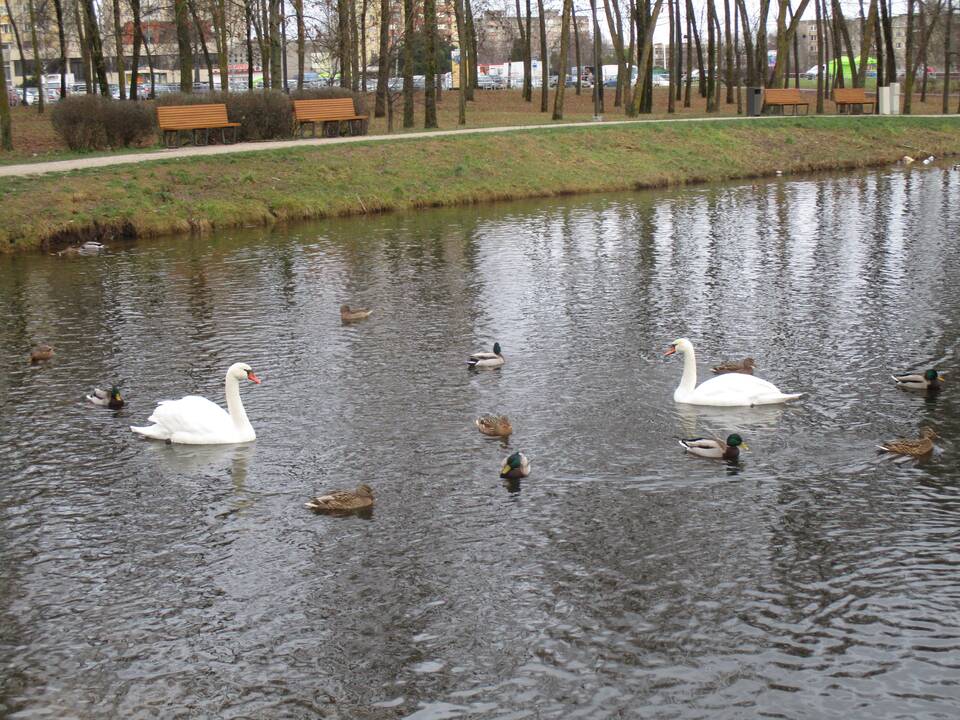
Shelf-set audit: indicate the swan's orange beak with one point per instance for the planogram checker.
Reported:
(671, 350)
(253, 378)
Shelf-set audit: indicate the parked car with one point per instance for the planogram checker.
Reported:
(488, 82)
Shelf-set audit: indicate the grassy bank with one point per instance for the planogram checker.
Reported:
(200, 194)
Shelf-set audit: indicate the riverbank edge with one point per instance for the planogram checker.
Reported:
(201, 194)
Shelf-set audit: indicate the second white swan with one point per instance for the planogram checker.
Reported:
(194, 420)
(732, 390)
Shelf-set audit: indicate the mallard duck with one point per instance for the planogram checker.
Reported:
(348, 316)
(745, 366)
(494, 425)
(714, 448)
(41, 353)
(515, 467)
(911, 447)
(343, 500)
(930, 381)
(107, 398)
(487, 359)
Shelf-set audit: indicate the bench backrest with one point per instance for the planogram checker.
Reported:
(332, 109)
(850, 95)
(185, 117)
(783, 96)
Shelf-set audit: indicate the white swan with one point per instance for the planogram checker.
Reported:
(194, 420)
(731, 390)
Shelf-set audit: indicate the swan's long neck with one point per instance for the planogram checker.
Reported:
(688, 381)
(234, 404)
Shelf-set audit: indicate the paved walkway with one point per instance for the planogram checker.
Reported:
(41, 168)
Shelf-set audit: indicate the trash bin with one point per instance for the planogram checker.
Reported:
(754, 101)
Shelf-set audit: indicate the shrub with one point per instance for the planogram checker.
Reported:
(92, 122)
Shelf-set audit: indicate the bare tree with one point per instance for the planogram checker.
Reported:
(37, 61)
(544, 60)
(95, 45)
(566, 13)
(118, 48)
(6, 126)
(135, 57)
(407, 64)
(62, 42)
(947, 55)
(16, 37)
(181, 17)
(383, 64)
(646, 50)
(430, 74)
(462, 67)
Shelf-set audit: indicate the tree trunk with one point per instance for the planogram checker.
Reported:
(16, 36)
(37, 61)
(597, 60)
(407, 64)
(462, 66)
(544, 61)
(62, 42)
(689, 83)
(118, 46)
(430, 75)
(878, 33)
(747, 43)
(616, 36)
(785, 35)
(181, 12)
(472, 69)
(96, 47)
(248, 13)
(845, 35)
(301, 41)
(576, 47)
(728, 46)
(671, 101)
(923, 54)
(646, 50)
(820, 56)
(796, 54)
(137, 43)
(6, 131)
(891, 58)
(564, 51)
(84, 52)
(354, 49)
(528, 59)
(736, 54)
(383, 68)
(908, 80)
(203, 42)
(711, 56)
(701, 78)
(276, 54)
(865, 44)
(946, 57)
(363, 48)
(761, 70)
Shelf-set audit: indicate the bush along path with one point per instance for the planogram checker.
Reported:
(317, 179)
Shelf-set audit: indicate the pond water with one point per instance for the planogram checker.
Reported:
(621, 579)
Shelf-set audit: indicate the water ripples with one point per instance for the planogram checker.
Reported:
(622, 579)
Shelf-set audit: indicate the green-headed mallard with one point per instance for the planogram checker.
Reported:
(515, 467)
(911, 447)
(343, 500)
(714, 448)
(745, 366)
(107, 398)
(41, 353)
(487, 359)
(928, 381)
(494, 425)
(348, 315)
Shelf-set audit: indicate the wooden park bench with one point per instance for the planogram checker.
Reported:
(785, 97)
(846, 98)
(175, 119)
(331, 113)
